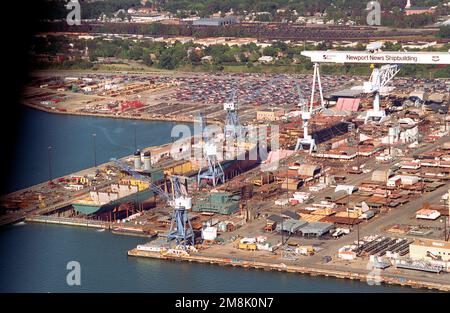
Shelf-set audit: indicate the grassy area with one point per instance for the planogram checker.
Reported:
(326, 69)
(126, 67)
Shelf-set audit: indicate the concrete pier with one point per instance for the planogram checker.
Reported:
(68, 221)
(281, 267)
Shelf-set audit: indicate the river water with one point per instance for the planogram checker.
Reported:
(33, 258)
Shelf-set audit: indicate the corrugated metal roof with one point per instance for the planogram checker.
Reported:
(290, 214)
(307, 169)
(346, 93)
(275, 218)
(291, 225)
(381, 175)
(446, 145)
(436, 97)
(275, 156)
(418, 94)
(317, 228)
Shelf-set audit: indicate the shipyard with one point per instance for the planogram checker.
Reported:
(161, 138)
(339, 191)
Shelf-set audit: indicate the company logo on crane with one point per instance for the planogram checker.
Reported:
(436, 58)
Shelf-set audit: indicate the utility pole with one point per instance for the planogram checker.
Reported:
(445, 120)
(281, 206)
(282, 219)
(135, 137)
(95, 149)
(49, 148)
(445, 228)
(445, 217)
(348, 209)
(358, 232)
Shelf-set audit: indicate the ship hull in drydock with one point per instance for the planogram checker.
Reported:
(241, 164)
(233, 168)
(88, 208)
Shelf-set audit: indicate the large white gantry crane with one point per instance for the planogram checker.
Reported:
(233, 128)
(386, 66)
(307, 113)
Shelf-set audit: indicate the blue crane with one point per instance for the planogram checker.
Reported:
(180, 227)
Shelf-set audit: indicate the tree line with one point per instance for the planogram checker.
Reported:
(190, 56)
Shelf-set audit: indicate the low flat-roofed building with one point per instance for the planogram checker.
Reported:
(345, 93)
(419, 10)
(436, 97)
(241, 41)
(348, 104)
(425, 249)
(289, 214)
(309, 170)
(266, 59)
(270, 115)
(215, 21)
(291, 226)
(427, 214)
(316, 229)
(381, 175)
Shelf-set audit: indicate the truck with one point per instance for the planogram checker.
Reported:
(305, 250)
(247, 246)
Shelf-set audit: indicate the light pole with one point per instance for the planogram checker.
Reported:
(348, 209)
(444, 220)
(357, 225)
(49, 148)
(445, 120)
(95, 149)
(281, 230)
(135, 137)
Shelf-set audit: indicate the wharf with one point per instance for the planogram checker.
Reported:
(68, 221)
(115, 228)
(142, 117)
(281, 267)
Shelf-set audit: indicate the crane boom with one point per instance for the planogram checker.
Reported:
(126, 168)
(380, 75)
(381, 57)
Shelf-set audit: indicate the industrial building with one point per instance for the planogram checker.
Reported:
(217, 202)
(270, 115)
(215, 21)
(316, 229)
(430, 250)
(291, 226)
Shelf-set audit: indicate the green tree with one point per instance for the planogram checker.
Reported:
(270, 51)
(444, 31)
(146, 58)
(194, 58)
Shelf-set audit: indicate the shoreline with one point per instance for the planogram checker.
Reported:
(312, 271)
(115, 229)
(104, 115)
(125, 117)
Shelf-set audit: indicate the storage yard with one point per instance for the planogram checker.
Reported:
(362, 197)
